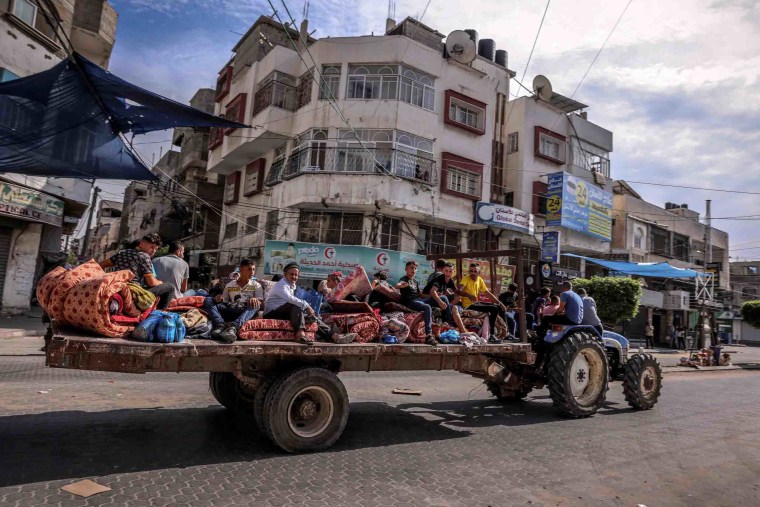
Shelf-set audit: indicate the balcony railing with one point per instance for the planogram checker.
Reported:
(276, 94)
(324, 160)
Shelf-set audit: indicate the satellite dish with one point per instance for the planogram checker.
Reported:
(460, 47)
(542, 87)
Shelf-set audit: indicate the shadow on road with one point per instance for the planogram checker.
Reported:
(73, 444)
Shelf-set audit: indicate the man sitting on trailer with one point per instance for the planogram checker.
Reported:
(412, 298)
(472, 286)
(570, 311)
(239, 302)
(443, 286)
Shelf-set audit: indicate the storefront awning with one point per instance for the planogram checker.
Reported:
(653, 269)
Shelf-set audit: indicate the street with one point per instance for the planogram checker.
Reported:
(161, 439)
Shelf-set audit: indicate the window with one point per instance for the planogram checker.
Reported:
(303, 91)
(751, 270)
(278, 163)
(277, 90)
(6, 75)
(25, 10)
(252, 224)
(461, 176)
(660, 241)
(231, 230)
(390, 233)
(223, 83)
(639, 237)
(437, 240)
(464, 112)
(334, 228)
(681, 247)
(235, 111)
(309, 153)
(231, 186)
(372, 82)
(512, 143)
(270, 228)
(549, 145)
(482, 240)
(254, 177)
(330, 83)
(417, 88)
(215, 136)
(539, 198)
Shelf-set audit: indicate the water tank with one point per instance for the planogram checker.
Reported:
(487, 49)
(501, 57)
(473, 35)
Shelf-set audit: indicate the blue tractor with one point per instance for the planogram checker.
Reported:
(576, 364)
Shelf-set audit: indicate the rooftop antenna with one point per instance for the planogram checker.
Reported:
(306, 10)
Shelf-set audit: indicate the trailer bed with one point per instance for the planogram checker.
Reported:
(69, 350)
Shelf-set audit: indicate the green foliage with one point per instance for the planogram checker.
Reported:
(616, 298)
(751, 313)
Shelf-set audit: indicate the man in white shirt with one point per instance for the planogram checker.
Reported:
(173, 269)
(239, 302)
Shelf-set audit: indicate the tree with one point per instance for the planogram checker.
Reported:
(751, 313)
(616, 298)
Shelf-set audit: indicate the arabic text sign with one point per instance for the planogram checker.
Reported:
(29, 204)
(578, 205)
(504, 217)
(550, 247)
(319, 260)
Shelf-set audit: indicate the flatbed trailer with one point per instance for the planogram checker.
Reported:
(293, 389)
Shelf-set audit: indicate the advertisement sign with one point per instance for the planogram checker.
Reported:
(550, 247)
(29, 204)
(319, 260)
(676, 300)
(578, 205)
(505, 274)
(552, 276)
(503, 217)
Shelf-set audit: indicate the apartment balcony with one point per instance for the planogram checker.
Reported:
(375, 161)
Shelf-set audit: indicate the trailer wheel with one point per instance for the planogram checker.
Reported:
(642, 381)
(306, 410)
(508, 397)
(578, 375)
(259, 402)
(230, 392)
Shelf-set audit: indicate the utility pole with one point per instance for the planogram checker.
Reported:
(93, 203)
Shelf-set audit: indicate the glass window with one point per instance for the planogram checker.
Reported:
(482, 240)
(551, 147)
(25, 10)
(512, 143)
(335, 228)
(464, 182)
(466, 114)
(390, 233)
(231, 230)
(270, 228)
(639, 238)
(437, 240)
(252, 224)
(330, 82)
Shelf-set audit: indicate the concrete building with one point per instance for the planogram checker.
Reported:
(35, 212)
(105, 235)
(392, 148)
(645, 232)
(548, 137)
(745, 286)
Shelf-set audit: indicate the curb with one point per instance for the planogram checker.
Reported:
(702, 369)
(19, 333)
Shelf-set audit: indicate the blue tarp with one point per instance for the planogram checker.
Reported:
(51, 123)
(654, 269)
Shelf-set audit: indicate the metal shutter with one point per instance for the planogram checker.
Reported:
(5, 246)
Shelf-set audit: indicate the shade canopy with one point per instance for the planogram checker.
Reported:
(67, 121)
(653, 269)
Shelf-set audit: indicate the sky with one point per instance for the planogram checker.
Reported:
(678, 83)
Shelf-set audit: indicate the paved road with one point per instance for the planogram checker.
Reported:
(160, 439)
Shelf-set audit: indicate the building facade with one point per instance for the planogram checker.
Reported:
(36, 212)
(389, 145)
(104, 237)
(745, 286)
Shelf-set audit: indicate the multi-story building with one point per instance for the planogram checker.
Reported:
(391, 146)
(745, 286)
(35, 212)
(645, 232)
(551, 135)
(105, 235)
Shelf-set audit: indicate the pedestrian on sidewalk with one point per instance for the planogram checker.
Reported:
(649, 333)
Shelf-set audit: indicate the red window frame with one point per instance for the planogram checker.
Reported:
(461, 164)
(235, 111)
(449, 94)
(539, 194)
(257, 165)
(230, 179)
(226, 76)
(215, 136)
(537, 144)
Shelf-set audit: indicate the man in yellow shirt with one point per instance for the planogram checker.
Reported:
(472, 286)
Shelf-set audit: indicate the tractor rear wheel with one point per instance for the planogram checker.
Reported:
(642, 381)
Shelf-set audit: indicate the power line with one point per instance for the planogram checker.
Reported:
(535, 40)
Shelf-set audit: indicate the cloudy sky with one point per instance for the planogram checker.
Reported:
(677, 82)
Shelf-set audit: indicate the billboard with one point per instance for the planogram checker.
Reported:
(29, 204)
(319, 260)
(550, 247)
(579, 206)
(504, 217)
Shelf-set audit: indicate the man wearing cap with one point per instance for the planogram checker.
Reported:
(138, 261)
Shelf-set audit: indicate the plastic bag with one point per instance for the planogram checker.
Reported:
(450, 336)
(160, 327)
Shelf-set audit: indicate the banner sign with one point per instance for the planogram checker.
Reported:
(319, 260)
(28, 204)
(505, 274)
(503, 217)
(578, 205)
(550, 247)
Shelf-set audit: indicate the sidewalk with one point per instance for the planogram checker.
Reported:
(24, 325)
(671, 358)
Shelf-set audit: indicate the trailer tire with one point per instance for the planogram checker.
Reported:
(230, 392)
(578, 375)
(259, 402)
(512, 397)
(306, 410)
(642, 381)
